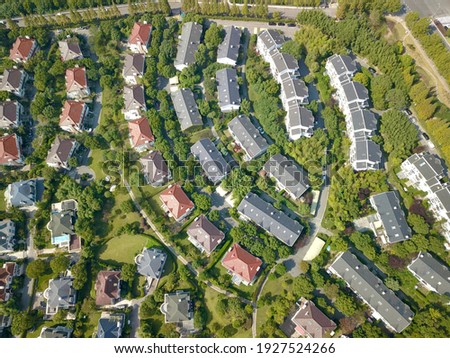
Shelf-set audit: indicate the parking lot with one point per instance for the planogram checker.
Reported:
(429, 7)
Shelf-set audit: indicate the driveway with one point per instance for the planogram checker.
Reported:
(220, 204)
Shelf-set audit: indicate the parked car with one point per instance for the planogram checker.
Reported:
(426, 136)
(372, 70)
(408, 112)
(291, 24)
(281, 24)
(272, 23)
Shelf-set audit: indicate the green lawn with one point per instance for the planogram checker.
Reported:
(91, 324)
(122, 249)
(96, 161)
(2, 200)
(204, 133)
(37, 331)
(42, 283)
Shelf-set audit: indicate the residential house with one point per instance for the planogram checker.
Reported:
(353, 96)
(141, 136)
(362, 123)
(390, 221)
(107, 288)
(178, 307)
(62, 223)
(384, 303)
(77, 83)
(5, 322)
(73, 116)
(22, 49)
(282, 65)
(7, 272)
(228, 50)
(70, 49)
(242, 265)
(214, 165)
(288, 175)
(311, 322)
(150, 263)
(133, 68)
(176, 203)
(340, 69)
(60, 294)
(23, 194)
(365, 154)
(293, 89)
(10, 152)
(299, 121)
(60, 152)
(228, 90)
(272, 220)
(440, 206)
(110, 325)
(134, 100)
(56, 332)
(267, 41)
(247, 137)
(155, 169)
(7, 236)
(204, 234)
(140, 37)
(14, 81)
(191, 34)
(186, 108)
(434, 275)
(10, 114)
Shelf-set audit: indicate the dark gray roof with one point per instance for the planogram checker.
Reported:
(227, 87)
(294, 87)
(60, 150)
(248, 136)
(7, 240)
(288, 173)
(186, 108)
(211, 160)
(134, 97)
(428, 165)
(111, 327)
(56, 332)
(284, 61)
(364, 121)
(155, 167)
(355, 91)
(229, 48)
(272, 220)
(11, 78)
(8, 111)
(434, 273)
(191, 34)
(343, 64)
(134, 64)
(271, 38)
(151, 262)
(443, 195)
(60, 293)
(388, 207)
(373, 291)
(300, 117)
(177, 307)
(368, 152)
(62, 223)
(23, 193)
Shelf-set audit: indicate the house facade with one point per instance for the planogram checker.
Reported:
(10, 114)
(228, 50)
(13, 81)
(60, 152)
(22, 49)
(7, 236)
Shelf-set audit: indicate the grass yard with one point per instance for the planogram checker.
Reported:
(42, 283)
(91, 324)
(211, 298)
(2, 200)
(117, 218)
(37, 330)
(204, 133)
(122, 249)
(96, 161)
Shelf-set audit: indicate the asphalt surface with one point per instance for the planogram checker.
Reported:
(433, 8)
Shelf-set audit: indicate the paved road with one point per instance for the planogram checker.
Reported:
(428, 7)
(27, 288)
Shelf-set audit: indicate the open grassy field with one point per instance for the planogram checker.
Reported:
(122, 249)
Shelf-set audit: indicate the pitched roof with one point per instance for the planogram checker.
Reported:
(140, 132)
(288, 173)
(443, 195)
(186, 108)
(76, 77)
(191, 33)
(248, 136)
(6, 272)
(294, 88)
(62, 223)
(373, 291)
(9, 148)
(140, 33)
(111, 325)
(72, 113)
(211, 160)
(177, 307)
(427, 164)
(12, 77)
(434, 273)
(8, 111)
(388, 207)
(60, 150)
(134, 64)
(313, 320)
(343, 64)
(205, 233)
(7, 239)
(271, 38)
(299, 116)
(228, 87)
(365, 121)
(60, 293)
(134, 97)
(56, 332)
(70, 49)
(151, 262)
(176, 200)
(21, 49)
(284, 61)
(107, 287)
(23, 193)
(155, 167)
(274, 221)
(368, 152)
(355, 91)
(229, 48)
(242, 263)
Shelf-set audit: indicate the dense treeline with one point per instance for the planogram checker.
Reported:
(374, 7)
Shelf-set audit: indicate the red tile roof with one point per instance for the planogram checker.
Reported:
(176, 201)
(140, 132)
(71, 113)
(21, 49)
(242, 263)
(107, 287)
(140, 33)
(5, 273)
(76, 75)
(8, 148)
